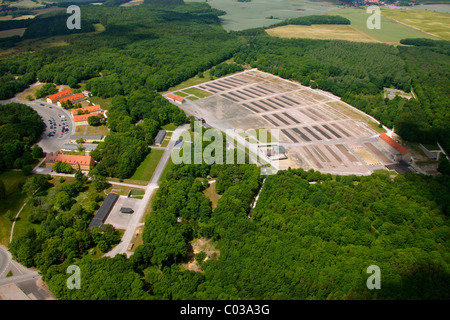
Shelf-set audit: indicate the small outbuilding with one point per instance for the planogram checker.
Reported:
(104, 210)
(160, 137)
(126, 210)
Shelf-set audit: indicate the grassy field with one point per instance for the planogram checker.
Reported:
(13, 200)
(29, 92)
(212, 195)
(9, 17)
(190, 82)
(169, 165)
(170, 127)
(434, 23)
(145, 171)
(254, 14)
(199, 93)
(104, 103)
(390, 32)
(87, 129)
(33, 44)
(26, 4)
(12, 32)
(99, 27)
(339, 32)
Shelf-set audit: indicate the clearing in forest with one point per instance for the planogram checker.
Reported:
(323, 32)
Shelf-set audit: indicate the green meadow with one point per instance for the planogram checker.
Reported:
(390, 32)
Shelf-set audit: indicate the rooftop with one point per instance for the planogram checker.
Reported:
(84, 117)
(104, 210)
(86, 136)
(60, 94)
(86, 109)
(70, 159)
(74, 97)
(393, 143)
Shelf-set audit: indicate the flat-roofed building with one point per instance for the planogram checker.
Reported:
(87, 138)
(126, 210)
(74, 147)
(104, 210)
(76, 161)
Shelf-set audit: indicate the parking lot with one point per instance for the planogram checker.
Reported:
(55, 119)
(118, 219)
(313, 125)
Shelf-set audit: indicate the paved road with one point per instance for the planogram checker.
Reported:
(20, 272)
(150, 188)
(48, 111)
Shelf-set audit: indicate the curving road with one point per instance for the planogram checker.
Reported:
(20, 272)
(48, 111)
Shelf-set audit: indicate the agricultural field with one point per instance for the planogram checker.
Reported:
(434, 23)
(391, 32)
(323, 32)
(12, 32)
(317, 130)
(262, 13)
(26, 4)
(444, 8)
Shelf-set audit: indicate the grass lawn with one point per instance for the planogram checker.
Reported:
(169, 165)
(337, 32)
(212, 195)
(165, 143)
(13, 200)
(181, 94)
(198, 92)
(192, 98)
(390, 31)
(169, 127)
(29, 92)
(87, 129)
(145, 171)
(105, 104)
(190, 82)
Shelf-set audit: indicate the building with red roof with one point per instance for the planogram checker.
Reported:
(76, 161)
(83, 118)
(402, 154)
(73, 98)
(53, 98)
(86, 110)
(174, 98)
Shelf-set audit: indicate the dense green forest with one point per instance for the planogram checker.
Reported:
(156, 47)
(310, 20)
(60, 223)
(428, 62)
(310, 235)
(126, 146)
(311, 239)
(20, 128)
